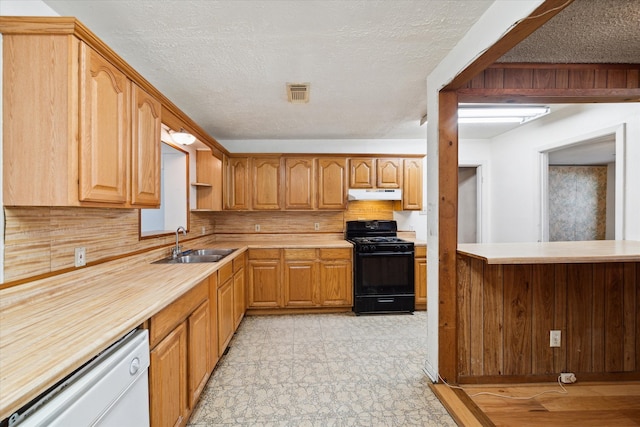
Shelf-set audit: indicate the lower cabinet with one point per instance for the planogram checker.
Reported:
(317, 278)
(168, 380)
(264, 278)
(335, 280)
(420, 277)
(300, 278)
(198, 348)
(187, 339)
(180, 345)
(226, 320)
(239, 294)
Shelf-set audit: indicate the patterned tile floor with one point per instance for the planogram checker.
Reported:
(323, 370)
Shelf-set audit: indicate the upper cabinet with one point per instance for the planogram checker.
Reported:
(375, 173)
(209, 181)
(266, 183)
(332, 183)
(389, 173)
(299, 183)
(105, 132)
(285, 183)
(81, 127)
(237, 183)
(362, 173)
(316, 182)
(145, 151)
(412, 184)
(77, 131)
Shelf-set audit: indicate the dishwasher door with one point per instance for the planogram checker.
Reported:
(112, 390)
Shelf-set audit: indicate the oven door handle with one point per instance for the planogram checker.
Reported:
(394, 254)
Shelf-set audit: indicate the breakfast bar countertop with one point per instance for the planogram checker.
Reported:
(554, 252)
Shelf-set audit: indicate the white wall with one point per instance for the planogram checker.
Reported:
(329, 146)
(25, 8)
(515, 169)
(491, 27)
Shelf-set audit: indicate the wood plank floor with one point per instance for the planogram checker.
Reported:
(585, 404)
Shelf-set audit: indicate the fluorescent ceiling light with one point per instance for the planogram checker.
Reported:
(488, 114)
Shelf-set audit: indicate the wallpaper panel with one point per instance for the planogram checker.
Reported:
(577, 203)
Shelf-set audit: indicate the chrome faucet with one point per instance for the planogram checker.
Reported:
(175, 251)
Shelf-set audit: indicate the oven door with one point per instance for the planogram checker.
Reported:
(383, 273)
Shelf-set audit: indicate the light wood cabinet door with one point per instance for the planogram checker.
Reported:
(145, 149)
(300, 283)
(209, 181)
(168, 380)
(237, 185)
(332, 183)
(420, 277)
(389, 173)
(213, 319)
(199, 348)
(264, 283)
(336, 288)
(362, 173)
(239, 297)
(226, 324)
(299, 184)
(266, 184)
(412, 185)
(104, 130)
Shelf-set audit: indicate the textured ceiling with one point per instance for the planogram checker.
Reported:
(587, 31)
(226, 63)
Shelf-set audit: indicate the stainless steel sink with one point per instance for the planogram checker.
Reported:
(212, 252)
(197, 256)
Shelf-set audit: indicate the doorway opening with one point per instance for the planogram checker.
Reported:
(469, 215)
(582, 184)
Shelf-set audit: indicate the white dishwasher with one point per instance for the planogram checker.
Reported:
(111, 390)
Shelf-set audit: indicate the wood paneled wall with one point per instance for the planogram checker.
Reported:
(507, 311)
(41, 240)
(540, 82)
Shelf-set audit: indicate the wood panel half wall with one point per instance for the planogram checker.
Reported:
(506, 313)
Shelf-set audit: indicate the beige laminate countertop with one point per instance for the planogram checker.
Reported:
(554, 252)
(50, 327)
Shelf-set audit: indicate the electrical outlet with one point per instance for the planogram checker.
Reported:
(568, 378)
(257, 227)
(80, 257)
(316, 226)
(554, 338)
(203, 230)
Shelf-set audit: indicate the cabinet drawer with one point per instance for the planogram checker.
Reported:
(335, 253)
(224, 273)
(421, 251)
(299, 253)
(166, 320)
(238, 263)
(264, 253)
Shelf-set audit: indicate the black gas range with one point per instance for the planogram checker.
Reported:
(383, 268)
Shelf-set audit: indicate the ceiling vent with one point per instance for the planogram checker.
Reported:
(298, 93)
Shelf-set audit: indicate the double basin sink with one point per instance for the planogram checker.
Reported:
(197, 255)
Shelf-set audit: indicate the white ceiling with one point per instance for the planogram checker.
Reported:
(226, 63)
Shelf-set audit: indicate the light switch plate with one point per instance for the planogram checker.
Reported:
(80, 257)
